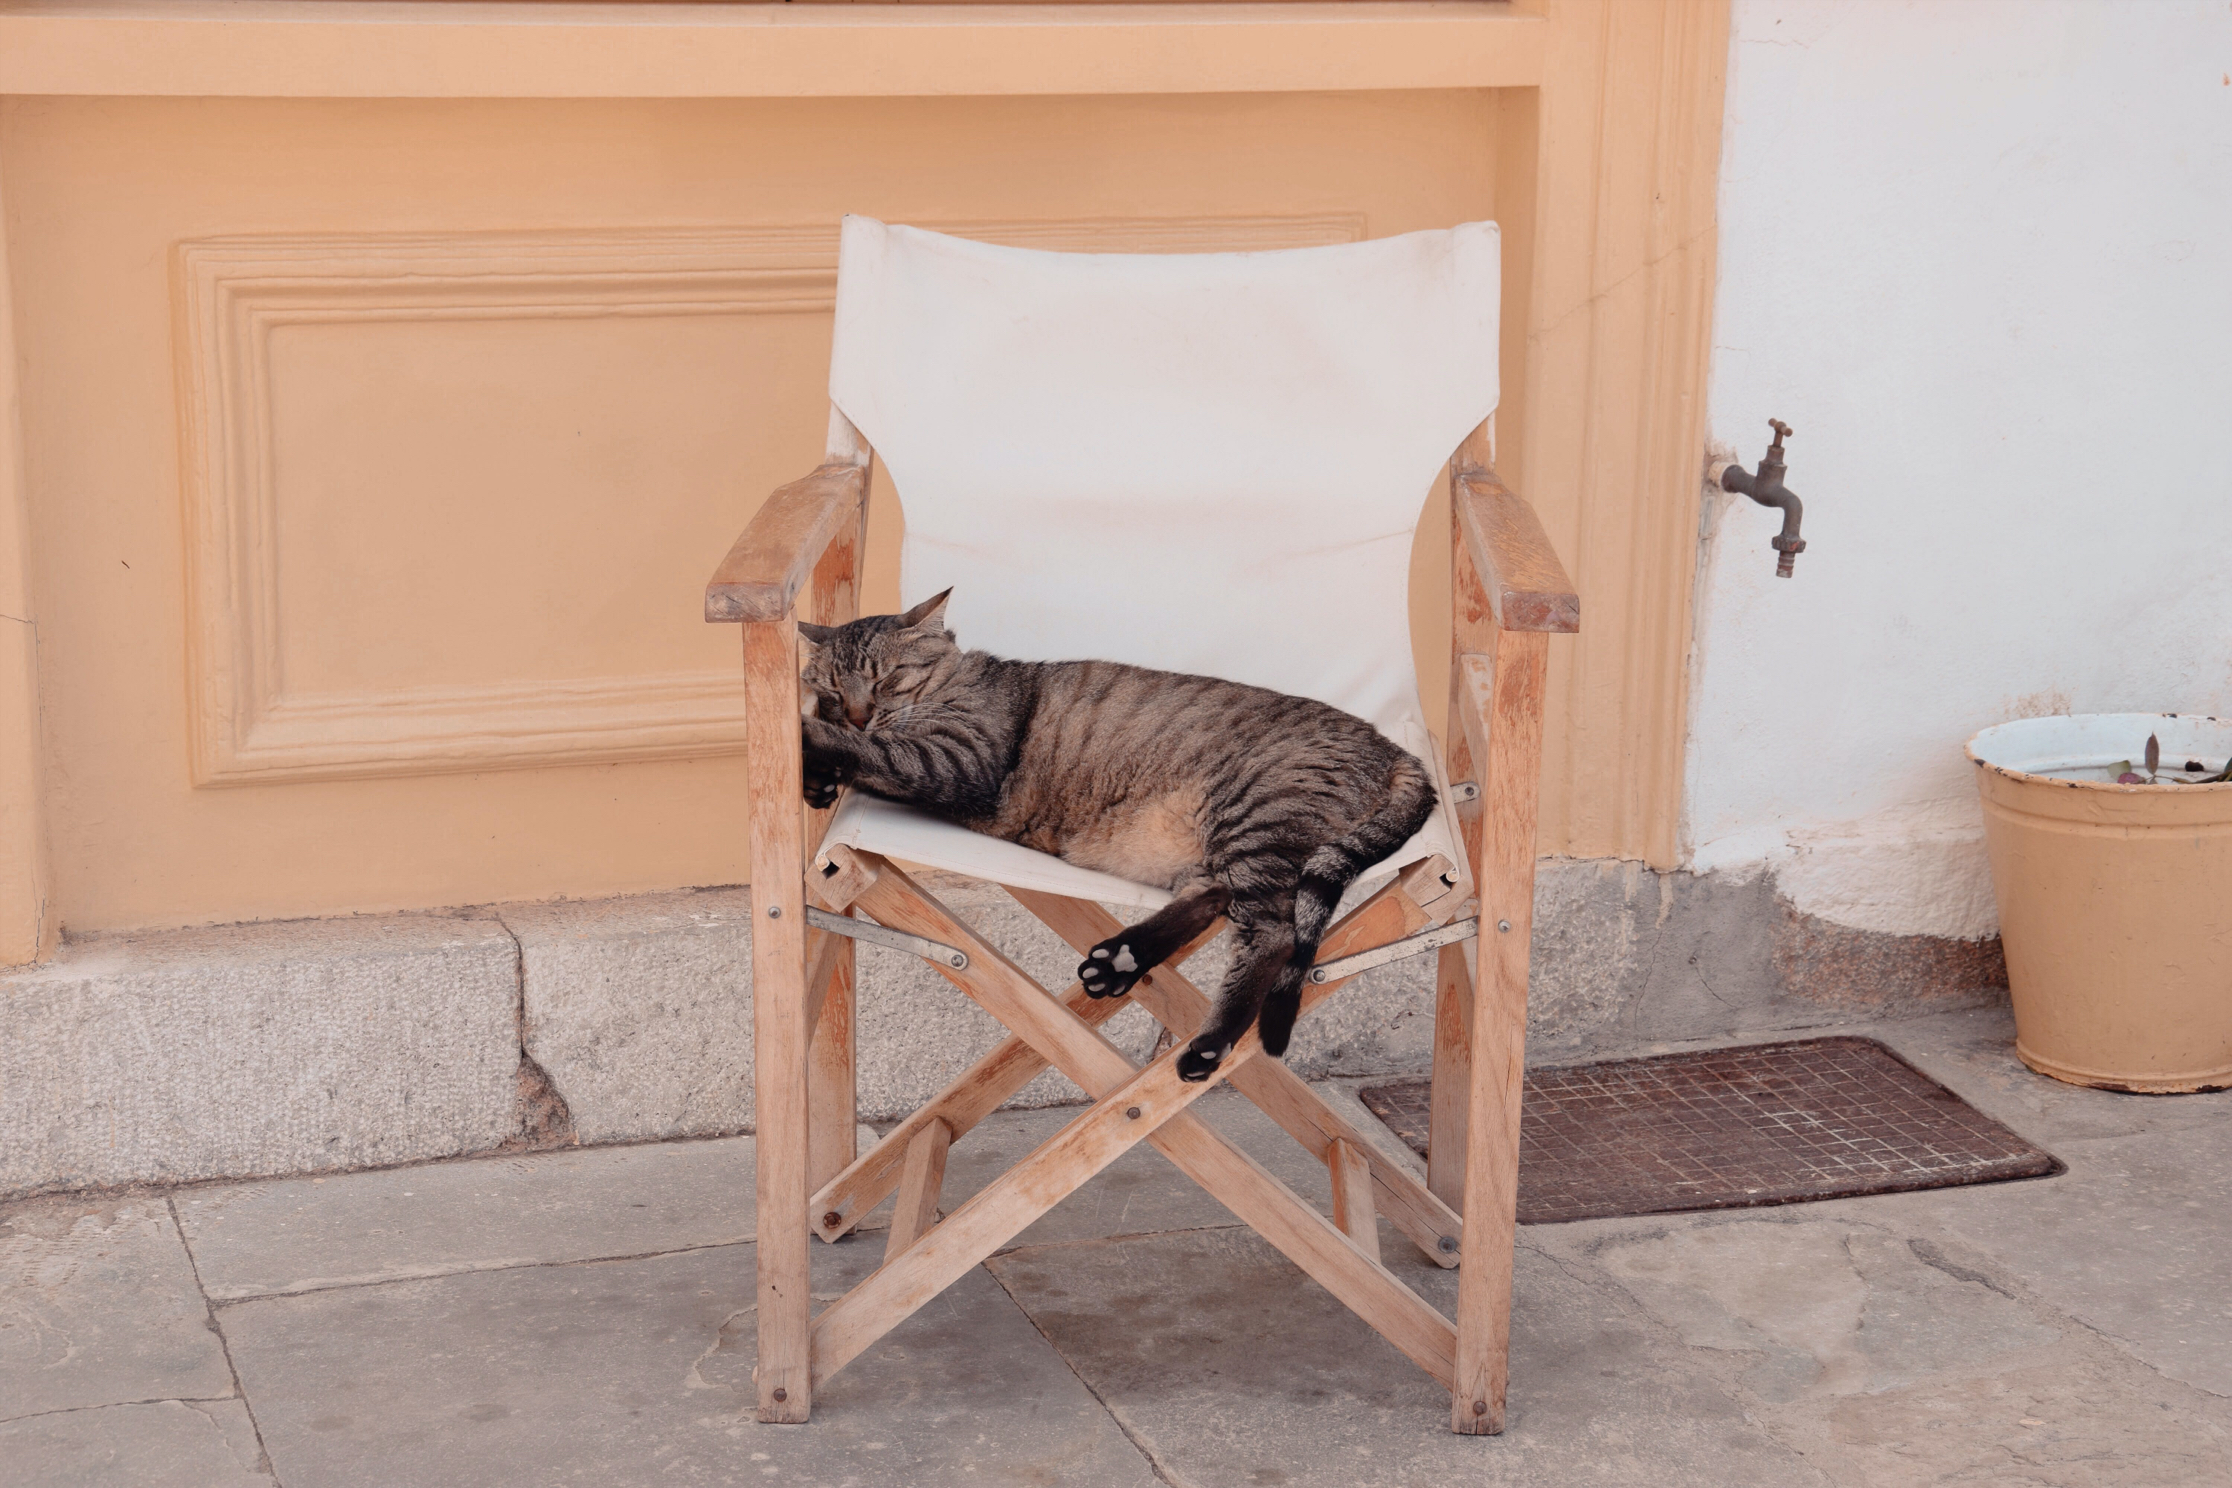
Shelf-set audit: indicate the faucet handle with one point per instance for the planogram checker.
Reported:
(1782, 432)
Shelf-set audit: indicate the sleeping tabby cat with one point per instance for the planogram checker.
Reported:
(1241, 802)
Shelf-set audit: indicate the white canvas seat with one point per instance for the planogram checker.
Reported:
(1208, 463)
(1211, 464)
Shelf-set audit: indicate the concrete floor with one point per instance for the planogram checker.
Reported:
(585, 1316)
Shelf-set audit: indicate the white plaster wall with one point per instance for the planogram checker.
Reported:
(1979, 255)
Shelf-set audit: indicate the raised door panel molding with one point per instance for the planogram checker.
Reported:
(251, 720)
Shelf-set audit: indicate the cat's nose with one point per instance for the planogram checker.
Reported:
(858, 714)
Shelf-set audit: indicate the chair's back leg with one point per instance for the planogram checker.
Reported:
(832, 597)
(1472, 631)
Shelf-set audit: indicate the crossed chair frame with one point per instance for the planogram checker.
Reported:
(800, 559)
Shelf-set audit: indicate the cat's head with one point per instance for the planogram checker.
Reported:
(871, 671)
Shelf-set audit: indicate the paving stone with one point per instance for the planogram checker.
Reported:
(2070, 1420)
(306, 1046)
(1822, 1306)
(161, 1444)
(302, 1234)
(1887, 1357)
(98, 1306)
(2131, 1241)
(640, 1371)
(1232, 1368)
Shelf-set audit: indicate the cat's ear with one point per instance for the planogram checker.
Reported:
(817, 634)
(929, 615)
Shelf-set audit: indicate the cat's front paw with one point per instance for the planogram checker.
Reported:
(1110, 969)
(822, 791)
(1196, 1065)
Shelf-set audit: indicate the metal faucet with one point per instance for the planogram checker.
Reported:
(1767, 489)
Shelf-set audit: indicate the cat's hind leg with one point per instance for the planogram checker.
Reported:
(1264, 954)
(1115, 966)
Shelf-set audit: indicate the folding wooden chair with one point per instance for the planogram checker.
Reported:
(1208, 463)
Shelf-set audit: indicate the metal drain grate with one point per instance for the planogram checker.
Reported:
(1733, 1128)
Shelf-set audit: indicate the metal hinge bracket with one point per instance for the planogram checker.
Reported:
(1395, 950)
(897, 940)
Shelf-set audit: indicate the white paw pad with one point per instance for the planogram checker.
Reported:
(1100, 954)
(1124, 961)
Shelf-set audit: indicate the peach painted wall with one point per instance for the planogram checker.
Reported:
(443, 520)
(372, 451)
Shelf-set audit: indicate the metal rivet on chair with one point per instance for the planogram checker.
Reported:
(832, 1219)
(1480, 1407)
(1448, 1244)
(1132, 1114)
(783, 1395)
(774, 911)
(1504, 926)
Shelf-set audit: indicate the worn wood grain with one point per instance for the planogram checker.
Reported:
(832, 1105)
(771, 562)
(1526, 585)
(1353, 1213)
(922, 1178)
(824, 952)
(841, 880)
(776, 829)
(1504, 704)
(831, 597)
(1449, 1096)
(1472, 630)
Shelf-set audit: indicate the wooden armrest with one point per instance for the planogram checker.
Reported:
(1526, 584)
(762, 574)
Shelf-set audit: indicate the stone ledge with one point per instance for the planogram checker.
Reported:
(266, 1049)
(258, 1049)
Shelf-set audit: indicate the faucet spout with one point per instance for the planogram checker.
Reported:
(1767, 488)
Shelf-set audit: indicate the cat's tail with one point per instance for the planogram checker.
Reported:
(1326, 876)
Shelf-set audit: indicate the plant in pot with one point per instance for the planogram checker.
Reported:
(2110, 839)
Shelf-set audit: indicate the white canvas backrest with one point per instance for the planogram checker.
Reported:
(1207, 463)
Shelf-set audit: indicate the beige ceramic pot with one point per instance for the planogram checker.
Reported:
(2115, 900)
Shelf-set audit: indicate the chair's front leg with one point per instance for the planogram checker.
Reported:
(780, 1034)
(1504, 704)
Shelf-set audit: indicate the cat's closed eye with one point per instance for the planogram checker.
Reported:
(903, 679)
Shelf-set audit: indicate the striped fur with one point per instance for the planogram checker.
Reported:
(1242, 802)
